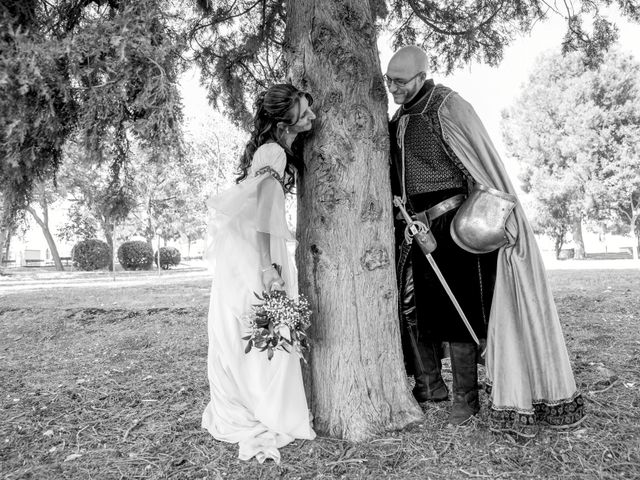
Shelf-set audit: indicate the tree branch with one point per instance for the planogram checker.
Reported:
(430, 22)
(35, 216)
(225, 17)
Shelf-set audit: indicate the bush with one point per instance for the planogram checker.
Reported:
(169, 257)
(135, 255)
(91, 254)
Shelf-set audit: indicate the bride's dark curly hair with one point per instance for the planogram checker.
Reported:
(272, 107)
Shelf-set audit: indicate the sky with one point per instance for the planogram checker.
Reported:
(489, 89)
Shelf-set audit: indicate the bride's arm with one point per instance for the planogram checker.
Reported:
(271, 279)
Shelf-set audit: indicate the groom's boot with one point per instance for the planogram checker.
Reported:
(465, 382)
(425, 359)
(427, 373)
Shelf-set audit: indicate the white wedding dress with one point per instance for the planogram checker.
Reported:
(255, 402)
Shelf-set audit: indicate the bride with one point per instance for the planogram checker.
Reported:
(255, 402)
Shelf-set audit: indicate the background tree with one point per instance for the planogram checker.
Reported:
(550, 217)
(96, 195)
(80, 224)
(575, 130)
(167, 198)
(545, 131)
(212, 147)
(171, 195)
(105, 70)
(615, 145)
(6, 230)
(43, 197)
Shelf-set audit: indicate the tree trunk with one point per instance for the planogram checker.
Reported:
(346, 250)
(576, 232)
(107, 229)
(558, 241)
(635, 244)
(44, 225)
(6, 223)
(4, 239)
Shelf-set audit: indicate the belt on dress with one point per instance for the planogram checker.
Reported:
(441, 208)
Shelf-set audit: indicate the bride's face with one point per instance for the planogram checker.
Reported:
(304, 114)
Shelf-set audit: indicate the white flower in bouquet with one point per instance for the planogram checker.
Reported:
(278, 323)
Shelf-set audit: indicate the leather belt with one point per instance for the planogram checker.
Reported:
(444, 206)
(427, 216)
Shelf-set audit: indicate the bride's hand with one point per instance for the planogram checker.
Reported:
(271, 280)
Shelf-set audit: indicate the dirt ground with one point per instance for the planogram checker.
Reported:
(108, 381)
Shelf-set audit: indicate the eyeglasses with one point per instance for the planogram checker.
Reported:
(399, 83)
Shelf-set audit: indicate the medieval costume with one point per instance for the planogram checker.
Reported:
(440, 149)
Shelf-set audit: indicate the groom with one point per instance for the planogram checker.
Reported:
(440, 151)
(432, 180)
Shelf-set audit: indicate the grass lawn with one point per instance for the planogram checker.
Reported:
(109, 383)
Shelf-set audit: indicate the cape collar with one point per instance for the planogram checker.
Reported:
(422, 94)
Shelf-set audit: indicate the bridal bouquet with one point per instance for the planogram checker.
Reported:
(278, 322)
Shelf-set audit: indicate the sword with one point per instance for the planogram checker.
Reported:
(418, 231)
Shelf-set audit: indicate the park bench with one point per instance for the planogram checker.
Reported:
(628, 250)
(33, 262)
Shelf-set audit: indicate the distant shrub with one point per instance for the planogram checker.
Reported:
(135, 255)
(169, 257)
(91, 254)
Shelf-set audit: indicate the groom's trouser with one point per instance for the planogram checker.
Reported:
(424, 355)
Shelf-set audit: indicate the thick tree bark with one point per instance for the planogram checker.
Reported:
(346, 253)
(44, 225)
(576, 232)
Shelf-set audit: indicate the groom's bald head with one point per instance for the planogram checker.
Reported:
(410, 57)
(406, 73)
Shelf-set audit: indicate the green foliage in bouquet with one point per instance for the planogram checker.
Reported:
(135, 255)
(279, 322)
(91, 254)
(169, 257)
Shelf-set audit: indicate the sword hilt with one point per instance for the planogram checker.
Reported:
(427, 244)
(397, 201)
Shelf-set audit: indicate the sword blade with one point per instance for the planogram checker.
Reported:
(444, 283)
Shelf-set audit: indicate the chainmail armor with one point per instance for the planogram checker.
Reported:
(430, 164)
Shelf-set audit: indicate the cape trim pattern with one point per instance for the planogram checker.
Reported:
(565, 413)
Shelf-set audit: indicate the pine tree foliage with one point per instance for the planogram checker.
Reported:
(104, 71)
(241, 46)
